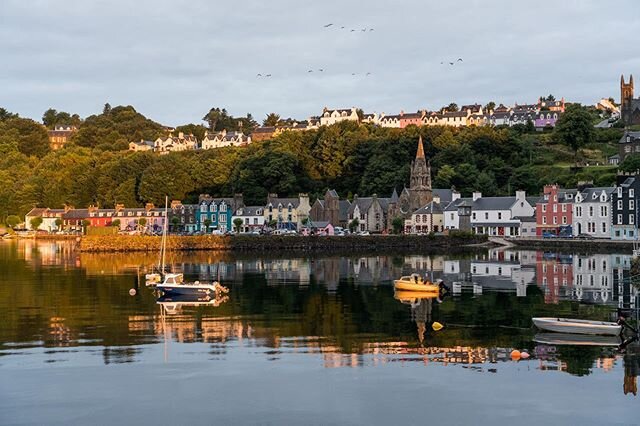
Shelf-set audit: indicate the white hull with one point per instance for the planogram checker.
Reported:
(575, 326)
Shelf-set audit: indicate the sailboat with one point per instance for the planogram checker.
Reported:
(173, 284)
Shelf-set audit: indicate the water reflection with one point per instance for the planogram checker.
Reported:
(339, 309)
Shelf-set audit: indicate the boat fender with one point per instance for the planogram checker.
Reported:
(524, 355)
(515, 354)
(437, 326)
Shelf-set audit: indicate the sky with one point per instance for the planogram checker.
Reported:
(173, 60)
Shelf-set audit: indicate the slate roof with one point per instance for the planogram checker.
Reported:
(76, 214)
(634, 137)
(453, 206)
(36, 211)
(249, 211)
(446, 195)
(587, 194)
(343, 213)
(431, 208)
(295, 202)
(494, 203)
(363, 204)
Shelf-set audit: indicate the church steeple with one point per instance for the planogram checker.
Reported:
(420, 153)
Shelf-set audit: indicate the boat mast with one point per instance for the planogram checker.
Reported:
(164, 233)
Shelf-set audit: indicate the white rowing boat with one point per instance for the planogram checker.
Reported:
(577, 326)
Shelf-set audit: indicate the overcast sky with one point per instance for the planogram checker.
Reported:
(175, 59)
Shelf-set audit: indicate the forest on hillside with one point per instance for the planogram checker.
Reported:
(354, 159)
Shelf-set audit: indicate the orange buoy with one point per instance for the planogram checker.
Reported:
(524, 355)
(515, 354)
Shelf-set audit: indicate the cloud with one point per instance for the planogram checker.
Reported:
(174, 60)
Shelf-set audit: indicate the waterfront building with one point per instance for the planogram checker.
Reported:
(624, 207)
(216, 214)
(319, 228)
(252, 218)
(369, 214)
(499, 216)
(592, 212)
(554, 211)
(331, 209)
(182, 217)
(427, 219)
(49, 218)
(286, 213)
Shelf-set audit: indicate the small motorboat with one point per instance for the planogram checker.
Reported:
(577, 326)
(174, 284)
(152, 279)
(558, 339)
(414, 282)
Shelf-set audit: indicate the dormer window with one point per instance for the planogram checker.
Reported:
(631, 193)
(203, 208)
(280, 207)
(594, 196)
(619, 191)
(213, 207)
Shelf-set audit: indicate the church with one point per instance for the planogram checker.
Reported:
(629, 107)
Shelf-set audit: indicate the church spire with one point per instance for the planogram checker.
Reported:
(420, 153)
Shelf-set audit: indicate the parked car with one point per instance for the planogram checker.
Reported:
(549, 235)
(217, 232)
(364, 233)
(584, 237)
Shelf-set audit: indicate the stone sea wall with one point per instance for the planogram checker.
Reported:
(574, 245)
(128, 243)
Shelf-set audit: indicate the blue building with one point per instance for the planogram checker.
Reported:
(624, 207)
(218, 212)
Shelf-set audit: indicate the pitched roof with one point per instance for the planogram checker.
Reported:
(343, 213)
(36, 211)
(453, 205)
(588, 193)
(633, 136)
(249, 211)
(432, 207)
(420, 153)
(363, 204)
(446, 195)
(76, 214)
(494, 203)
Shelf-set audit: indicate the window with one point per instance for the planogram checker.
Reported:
(578, 211)
(631, 192)
(223, 207)
(451, 216)
(544, 220)
(631, 219)
(564, 208)
(544, 208)
(619, 191)
(486, 216)
(555, 208)
(619, 222)
(590, 211)
(213, 207)
(619, 204)
(474, 216)
(555, 220)
(499, 215)
(631, 204)
(603, 211)
(604, 228)
(564, 220)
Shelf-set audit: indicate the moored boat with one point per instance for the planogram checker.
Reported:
(577, 326)
(411, 295)
(174, 284)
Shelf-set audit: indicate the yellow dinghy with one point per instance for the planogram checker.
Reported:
(415, 283)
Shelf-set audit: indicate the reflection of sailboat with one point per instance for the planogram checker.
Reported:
(173, 304)
(576, 339)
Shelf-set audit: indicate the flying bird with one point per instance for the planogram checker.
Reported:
(258, 75)
(450, 63)
(328, 25)
(368, 73)
(363, 30)
(370, 29)
(342, 28)
(353, 31)
(321, 70)
(310, 71)
(268, 75)
(353, 73)
(459, 59)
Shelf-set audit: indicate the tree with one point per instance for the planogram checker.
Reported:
(353, 225)
(272, 120)
(175, 221)
(207, 224)
(272, 223)
(6, 115)
(12, 221)
(85, 225)
(631, 163)
(107, 109)
(35, 222)
(237, 222)
(574, 128)
(49, 117)
(398, 225)
(452, 107)
(29, 137)
(115, 223)
(59, 223)
(445, 177)
(490, 106)
(142, 222)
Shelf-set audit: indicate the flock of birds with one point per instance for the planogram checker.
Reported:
(352, 30)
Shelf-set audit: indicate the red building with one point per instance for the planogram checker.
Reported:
(554, 211)
(414, 118)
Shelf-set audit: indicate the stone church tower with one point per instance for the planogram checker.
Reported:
(626, 93)
(420, 193)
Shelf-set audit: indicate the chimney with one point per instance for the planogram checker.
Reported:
(119, 207)
(180, 135)
(521, 195)
(477, 195)
(436, 199)
(148, 206)
(175, 204)
(455, 195)
(401, 112)
(238, 201)
(92, 209)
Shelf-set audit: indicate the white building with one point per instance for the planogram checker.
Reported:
(592, 212)
(221, 139)
(592, 278)
(333, 116)
(252, 218)
(392, 121)
(499, 216)
(172, 143)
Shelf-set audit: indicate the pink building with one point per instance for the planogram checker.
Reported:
(554, 211)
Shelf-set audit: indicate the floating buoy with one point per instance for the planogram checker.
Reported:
(524, 355)
(437, 326)
(132, 292)
(515, 354)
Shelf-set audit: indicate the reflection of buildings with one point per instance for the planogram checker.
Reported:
(554, 273)
(503, 270)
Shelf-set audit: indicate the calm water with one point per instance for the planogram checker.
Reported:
(308, 340)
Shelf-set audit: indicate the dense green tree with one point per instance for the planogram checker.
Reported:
(5, 115)
(398, 225)
(196, 130)
(574, 128)
(631, 163)
(35, 222)
(29, 137)
(12, 221)
(59, 222)
(490, 106)
(115, 223)
(237, 222)
(272, 119)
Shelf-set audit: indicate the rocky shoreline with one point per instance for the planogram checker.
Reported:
(242, 243)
